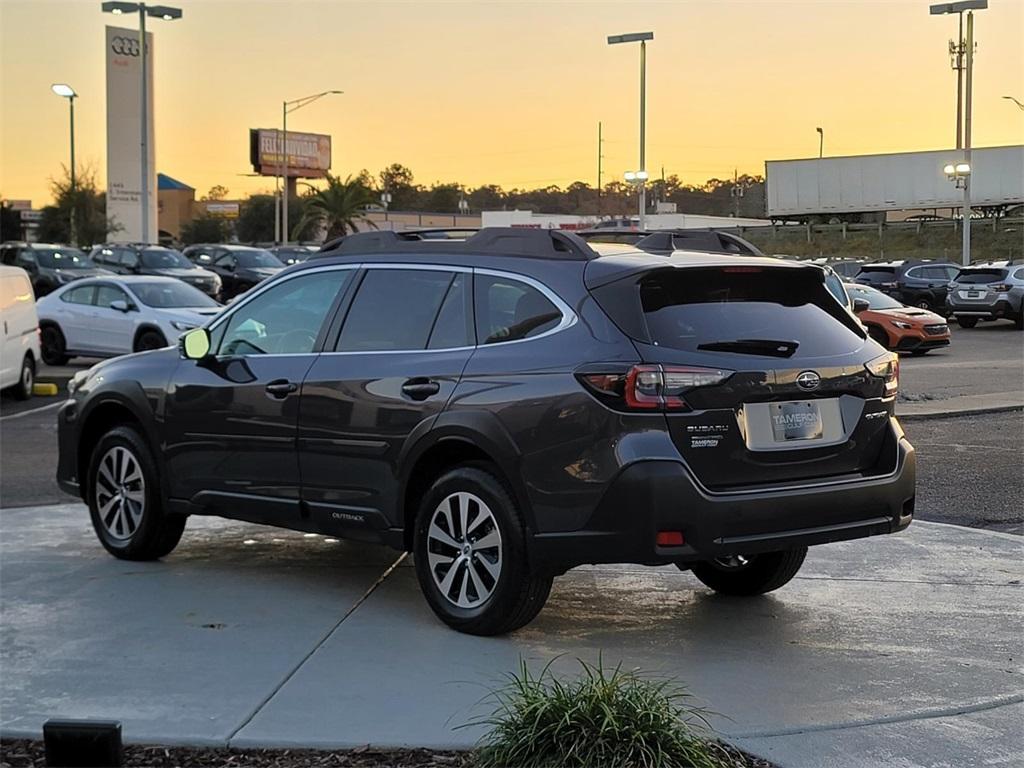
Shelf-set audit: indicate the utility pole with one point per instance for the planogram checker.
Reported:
(643, 134)
(967, 138)
(737, 191)
(600, 157)
(956, 52)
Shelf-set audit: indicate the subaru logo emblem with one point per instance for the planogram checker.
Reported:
(808, 380)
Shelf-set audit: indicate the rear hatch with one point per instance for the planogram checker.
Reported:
(980, 285)
(881, 277)
(763, 375)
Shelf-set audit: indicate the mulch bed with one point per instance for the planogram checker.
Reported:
(19, 753)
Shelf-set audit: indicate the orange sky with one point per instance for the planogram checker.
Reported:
(509, 92)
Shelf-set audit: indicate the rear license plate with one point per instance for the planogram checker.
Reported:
(971, 294)
(796, 420)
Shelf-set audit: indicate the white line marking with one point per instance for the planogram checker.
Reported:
(34, 410)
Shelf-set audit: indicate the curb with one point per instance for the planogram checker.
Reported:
(954, 414)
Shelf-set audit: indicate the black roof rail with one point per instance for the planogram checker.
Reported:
(513, 241)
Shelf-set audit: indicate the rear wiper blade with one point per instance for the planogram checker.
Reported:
(769, 347)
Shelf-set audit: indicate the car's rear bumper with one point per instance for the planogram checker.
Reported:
(1000, 309)
(652, 496)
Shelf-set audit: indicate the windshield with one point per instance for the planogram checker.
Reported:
(62, 258)
(258, 258)
(875, 299)
(170, 295)
(164, 258)
(982, 276)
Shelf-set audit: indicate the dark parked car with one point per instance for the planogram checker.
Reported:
(666, 241)
(49, 266)
(140, 259)
(240, 267)
(293, 254)
(921, 284)
(508, 407)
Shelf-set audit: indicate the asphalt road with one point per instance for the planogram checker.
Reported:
(970, 468)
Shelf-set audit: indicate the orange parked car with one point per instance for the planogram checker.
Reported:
(896, 326)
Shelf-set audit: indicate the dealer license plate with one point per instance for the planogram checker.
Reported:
(796, 420)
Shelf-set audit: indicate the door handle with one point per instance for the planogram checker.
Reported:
(281, 388)
(420, 389)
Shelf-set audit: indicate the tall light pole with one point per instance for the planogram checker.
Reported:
(167, 13)
(821, 142)
(286, 107)
(641, 174)
(66, 91)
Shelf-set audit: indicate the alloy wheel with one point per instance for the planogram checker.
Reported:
(464, 550)
(120, 492)
(27, 378)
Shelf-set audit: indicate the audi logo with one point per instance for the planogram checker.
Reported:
(125, 46)
(808, 380)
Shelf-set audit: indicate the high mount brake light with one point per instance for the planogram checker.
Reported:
(886, 367)
(747, 270)
(653, 387)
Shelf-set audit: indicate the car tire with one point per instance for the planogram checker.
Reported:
(756, 575)
(1019, 321)
(967, 322)
(148, 340)
(485, 590)
(879, 335)
(125, 503)
(53, 346)
(923, 304)
(26, 380)
(919, 352)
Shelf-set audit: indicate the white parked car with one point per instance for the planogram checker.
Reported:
(19, 353)
(103, 317)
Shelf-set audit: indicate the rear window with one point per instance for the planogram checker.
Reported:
(693, 310)
(982, 276)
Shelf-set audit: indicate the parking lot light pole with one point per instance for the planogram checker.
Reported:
(167, 13)
(66, 91)
(286, 107)
(642, 38)
(968, 57)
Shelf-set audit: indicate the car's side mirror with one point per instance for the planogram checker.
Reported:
(229, 267)
(860, 305)
(120, 305)
(195, 344)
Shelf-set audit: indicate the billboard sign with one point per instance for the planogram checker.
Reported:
(309, 154)
(124, 136)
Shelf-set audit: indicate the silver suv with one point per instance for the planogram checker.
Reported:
(989, 291)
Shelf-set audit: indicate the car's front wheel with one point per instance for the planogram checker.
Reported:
(52, 345)
(124, 498)
(745, 575)
(470, 551)
(26, 380)
(967, 322)
(150, 340)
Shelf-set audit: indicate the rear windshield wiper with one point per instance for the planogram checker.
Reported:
(769, 347)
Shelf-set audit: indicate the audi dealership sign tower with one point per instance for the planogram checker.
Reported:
(124, 137)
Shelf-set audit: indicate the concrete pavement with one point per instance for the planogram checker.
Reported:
(256, 636)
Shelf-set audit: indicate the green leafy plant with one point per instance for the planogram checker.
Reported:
(604, 717)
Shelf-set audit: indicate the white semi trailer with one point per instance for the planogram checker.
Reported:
(863, 187)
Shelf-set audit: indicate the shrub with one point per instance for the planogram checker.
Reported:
(602, 718)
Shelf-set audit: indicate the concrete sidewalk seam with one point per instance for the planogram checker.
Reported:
(317, 646)
(923, 714)
(971, 529)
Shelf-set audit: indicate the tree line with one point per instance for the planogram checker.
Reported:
(336, 205)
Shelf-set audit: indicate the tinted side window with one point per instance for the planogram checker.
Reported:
(128, 258)
(225, 260)
(917, 273)
(508, 310)
(286, 318)
(1019, 274)
(835, 287)
(454, 324)
(394, 309)
(80, 295)
(7, 255)
(105, 294)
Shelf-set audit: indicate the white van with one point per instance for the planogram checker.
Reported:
(19, 353)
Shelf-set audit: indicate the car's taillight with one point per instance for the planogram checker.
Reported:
(652, 387)
(1001, 287)
(886, 367)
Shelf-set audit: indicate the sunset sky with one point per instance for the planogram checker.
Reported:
(509, 92)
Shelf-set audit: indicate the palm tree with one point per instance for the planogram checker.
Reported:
(338, 207)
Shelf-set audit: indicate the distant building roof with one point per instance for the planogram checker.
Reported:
(163, 181)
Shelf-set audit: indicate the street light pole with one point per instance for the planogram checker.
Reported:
(67, 92)
(967, 138)
(821, 142)
(641, 174)
(286, 107)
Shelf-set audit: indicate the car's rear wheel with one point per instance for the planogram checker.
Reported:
(124, 498)
(26, 380)
(923, 304)
(879, 335)
(150, 340)
(470, 550)
(53, 347)
(967, 322)
(746, 575)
